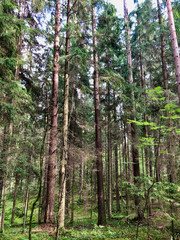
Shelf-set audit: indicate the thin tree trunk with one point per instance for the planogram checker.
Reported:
(174, 44)
(26, 208)
(40, 181)
(8, 130)
(68, 186)
(44, 197)
(116, 161)
(80, 180)
(72, 195)
(133, 130)
(51, 175)
(163, 60)
(3, 161)
(62, 187)
(109, 157)
(126, 171)
(100, 190)
(117, 178)
(172, 163)
(14, 198)
(3, 205)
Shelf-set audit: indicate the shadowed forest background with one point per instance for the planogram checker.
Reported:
(89, 120)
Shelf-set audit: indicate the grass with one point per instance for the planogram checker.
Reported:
(85, 228)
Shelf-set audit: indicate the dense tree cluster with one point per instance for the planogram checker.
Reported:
(89, 111)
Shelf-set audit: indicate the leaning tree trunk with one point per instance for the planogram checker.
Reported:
(174, 44)
(51, 175)
(100, 190)
(133, 130)
(62, 187)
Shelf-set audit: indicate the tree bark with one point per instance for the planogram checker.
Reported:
(117, 178)
(163, 60)
(109, 157)
(51, 175)
(3, 161)
(68, 187)
(14, 198)
(8, 130)
(174, 44)
(133, 130)
(61, 211)
(100, 190)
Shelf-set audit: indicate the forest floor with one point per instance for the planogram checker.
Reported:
(85, 227)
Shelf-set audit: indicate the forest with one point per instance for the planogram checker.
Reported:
(89, 120)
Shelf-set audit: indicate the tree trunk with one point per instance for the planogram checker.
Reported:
(109, 157)
(172, 163)
(163, 60)
(68, 186)
(100, 190)
(133, 130)
(51, 175)
(116, 160)
(14, 198)
(26, 207)
(3, 161)
(3, 205)
(62, 187)
(80, 180)
(5, 157)
(174, 44)
(72, 195)
(117, 178)
(44, 195)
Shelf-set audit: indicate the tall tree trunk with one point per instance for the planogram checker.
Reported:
(170, 141)
(174, 44)
(100, 190)
(51, 175)
(133, 130)
(109, 156)
(61, 211)
(116, 159)
(40, 181)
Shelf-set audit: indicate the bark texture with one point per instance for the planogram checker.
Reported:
(133, 130)
(61, 211)
(51, 176)
(99, 164)
(174, 44)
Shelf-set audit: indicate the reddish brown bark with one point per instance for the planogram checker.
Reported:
(174, 44)
(100, 190)
(51, 176)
